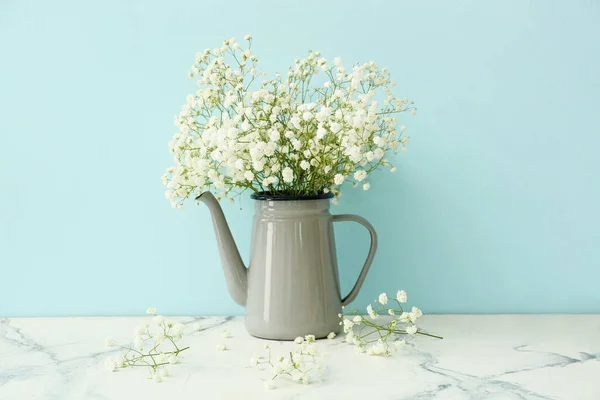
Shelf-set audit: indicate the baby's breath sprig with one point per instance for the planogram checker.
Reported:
(153, 347)
(301, 365)
(381, 339)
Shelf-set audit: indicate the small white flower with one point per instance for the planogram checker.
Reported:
(270, 384)
(158, 320)
(339, 179)
(108, 342)
(288, 174)
(249, 175)
(349, 337)
(393, 169)
(417, 312)
(366, 186)
(391, 312)
(411, 330)
(226, 334)
(305, 379)
(371, 312)
(404, 317)
(335, 201)
(357, 319)
(398, 344)
(177, 330)
(151, 310)
(360, 175)
(331, 335)
(247, 37)
(401, 296)
(221, 347)
(348, 324)
(274, 135)
(304, 165)
(383, 299)
(299, 340)
(138, 342)
(159, 337)
(110, 364)
(310, 338)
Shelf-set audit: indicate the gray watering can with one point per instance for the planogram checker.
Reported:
(291, 287)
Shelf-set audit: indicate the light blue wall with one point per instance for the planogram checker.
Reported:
(495, 207)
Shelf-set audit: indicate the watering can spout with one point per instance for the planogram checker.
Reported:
(236, 273)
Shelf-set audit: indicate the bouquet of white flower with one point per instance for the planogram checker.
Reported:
(290, 136)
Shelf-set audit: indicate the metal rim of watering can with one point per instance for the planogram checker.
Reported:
(273, 197)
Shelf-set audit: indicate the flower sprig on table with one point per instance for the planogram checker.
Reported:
(374, 338)
(293, 134)
(301, 365)
(153, 346)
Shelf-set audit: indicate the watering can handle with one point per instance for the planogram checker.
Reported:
(365, 269)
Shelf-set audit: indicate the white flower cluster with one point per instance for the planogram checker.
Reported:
(221, 346)
(291, 135)
(154, 347)
(301, 364)
(380, 339)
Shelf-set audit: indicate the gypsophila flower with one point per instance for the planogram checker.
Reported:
(152, 347)
(269, 384)
(109, 363)
(417, 312)
(401, 296)
(221, 347)
(371, 312)
(398, 344)
(300, 364)
(360, 330)
(360, 175)
(226, 334)
(331, 335)
(108, 342)
(288, 135)
(383, 298)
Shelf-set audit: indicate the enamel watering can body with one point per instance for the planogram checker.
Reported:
(291, 287)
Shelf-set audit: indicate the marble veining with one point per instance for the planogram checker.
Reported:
(481, 357)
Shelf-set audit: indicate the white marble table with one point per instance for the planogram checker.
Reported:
(481, 357)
